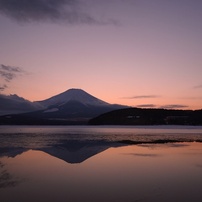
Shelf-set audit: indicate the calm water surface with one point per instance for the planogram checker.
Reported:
(101, 164)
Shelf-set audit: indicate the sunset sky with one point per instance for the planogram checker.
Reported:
(144, 53)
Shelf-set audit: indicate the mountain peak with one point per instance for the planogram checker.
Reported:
(73, 94)
(74, 91)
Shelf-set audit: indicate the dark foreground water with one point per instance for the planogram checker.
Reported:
(100, 164)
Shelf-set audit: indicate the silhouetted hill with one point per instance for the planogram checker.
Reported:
(138, 116)
(10, 104)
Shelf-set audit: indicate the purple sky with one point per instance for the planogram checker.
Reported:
(144, 53)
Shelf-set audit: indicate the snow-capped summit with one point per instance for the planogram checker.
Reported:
(78, 95)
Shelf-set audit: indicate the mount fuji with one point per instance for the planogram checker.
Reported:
(78, 95)
(74, 106)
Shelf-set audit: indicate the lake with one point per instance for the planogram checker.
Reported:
(100, 163)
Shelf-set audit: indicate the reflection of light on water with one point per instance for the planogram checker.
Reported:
(32, 137)
(82, 163)
(161, 129)
(160, 172)
(199, 166)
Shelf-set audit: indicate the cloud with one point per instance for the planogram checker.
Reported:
(8, 73)
(3, 87)
(145, 155)
(142, 97)
(146, 106)
(68, 11)
(198, 86)
(192, 98)
(174, 106)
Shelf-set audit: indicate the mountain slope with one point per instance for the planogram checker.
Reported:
(11, 104)
(74, 106)
(72, 95)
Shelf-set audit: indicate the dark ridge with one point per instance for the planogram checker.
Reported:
(160, 141)
(138, 116)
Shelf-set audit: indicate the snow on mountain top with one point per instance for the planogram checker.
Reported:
(73, 95)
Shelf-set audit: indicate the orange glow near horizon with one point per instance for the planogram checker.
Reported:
(113, 97)
(153, 50)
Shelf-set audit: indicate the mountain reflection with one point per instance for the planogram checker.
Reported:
(11, 151)
(6, 179)
(77, 151)
(77, 144)
(71, 151)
